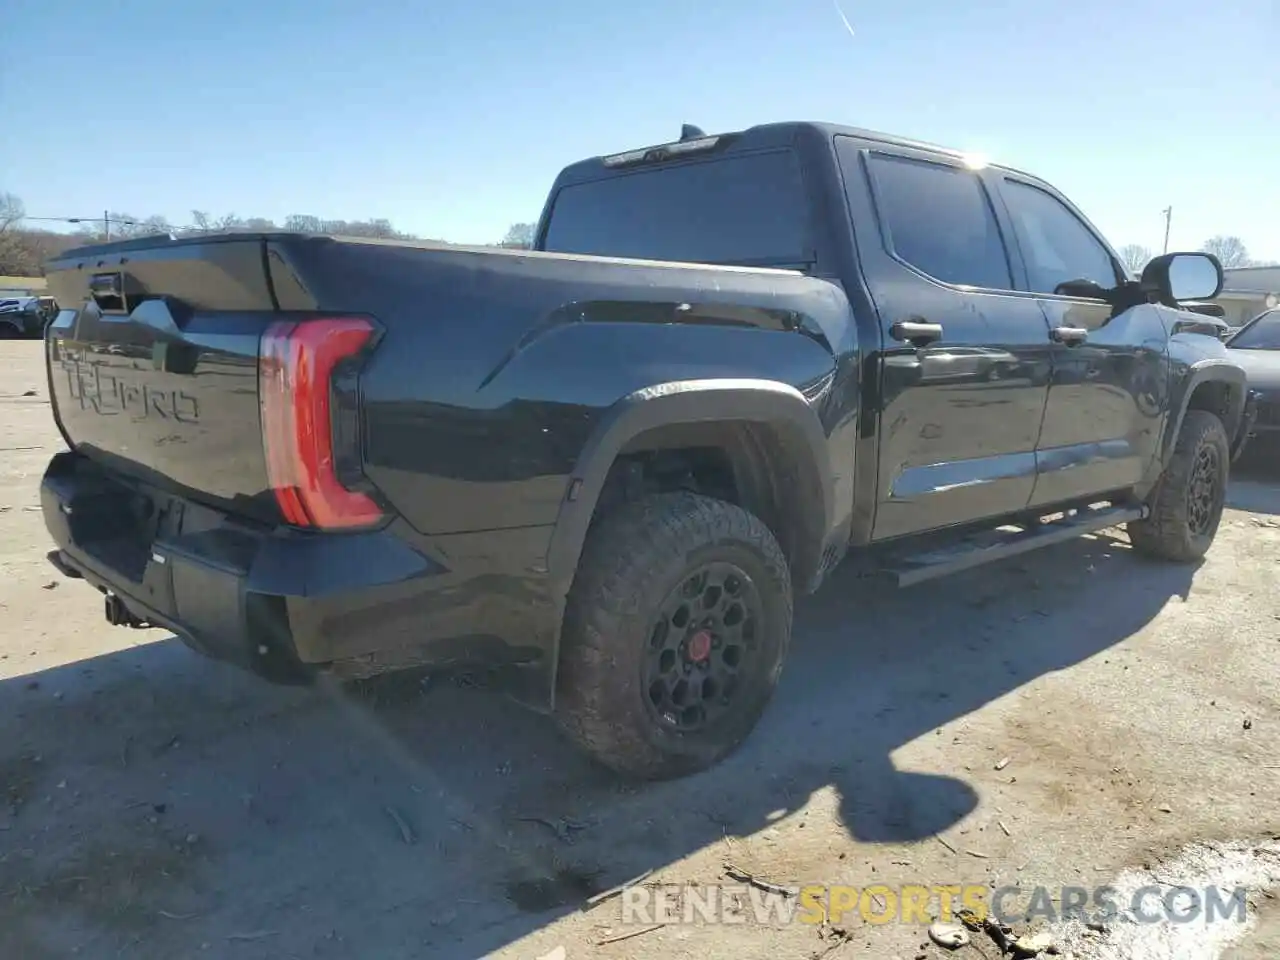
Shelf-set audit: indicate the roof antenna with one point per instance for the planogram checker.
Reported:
(689, 132)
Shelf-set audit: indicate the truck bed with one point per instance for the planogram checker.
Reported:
(160, 378)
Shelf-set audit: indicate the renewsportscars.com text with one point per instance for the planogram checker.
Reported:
(920, 904)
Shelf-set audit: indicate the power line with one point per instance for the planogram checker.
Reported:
(106, 220)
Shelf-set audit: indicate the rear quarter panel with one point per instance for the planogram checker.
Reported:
(497, 365)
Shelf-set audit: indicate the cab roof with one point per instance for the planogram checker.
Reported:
(785, 134)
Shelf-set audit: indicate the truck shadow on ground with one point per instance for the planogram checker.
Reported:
(410, 819)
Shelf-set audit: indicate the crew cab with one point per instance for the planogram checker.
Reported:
(606, 466)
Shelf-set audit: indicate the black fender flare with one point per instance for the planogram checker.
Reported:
(767, 402)
(1211, 370)
(16, 324)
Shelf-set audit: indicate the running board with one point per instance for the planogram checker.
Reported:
(1003, 542)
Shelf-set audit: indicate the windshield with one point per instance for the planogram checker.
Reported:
(743, 209)
(1260, 333)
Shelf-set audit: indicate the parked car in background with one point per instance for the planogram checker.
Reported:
(25, 316)
(1256, 348)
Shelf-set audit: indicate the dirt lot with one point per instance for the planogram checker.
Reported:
(1058, 720)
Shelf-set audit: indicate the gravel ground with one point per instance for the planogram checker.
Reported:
(1073, 717)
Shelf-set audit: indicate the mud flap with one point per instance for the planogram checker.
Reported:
(1244, 432)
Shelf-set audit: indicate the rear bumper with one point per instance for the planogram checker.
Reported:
(230, 638)
(283, 603)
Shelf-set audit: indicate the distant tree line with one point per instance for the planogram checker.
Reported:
(24, 246)
(1230, 251)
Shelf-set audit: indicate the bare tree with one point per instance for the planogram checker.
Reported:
(303, 223)
(1135, 257)
(149, 227)
(519, 235)
(122, 226)
(12, 213)
(375, 229)
(23, 251)
(1231, 251)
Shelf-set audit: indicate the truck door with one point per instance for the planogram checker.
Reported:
(1103, 418)
(964, 369)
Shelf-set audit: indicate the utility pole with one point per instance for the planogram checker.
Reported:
(1168, 221)
(106, 228)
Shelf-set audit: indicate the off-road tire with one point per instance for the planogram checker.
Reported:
(1168, 533)
(633, 561)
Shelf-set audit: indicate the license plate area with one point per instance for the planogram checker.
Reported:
(116, 525)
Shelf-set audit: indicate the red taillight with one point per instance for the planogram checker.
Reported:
(296, 365)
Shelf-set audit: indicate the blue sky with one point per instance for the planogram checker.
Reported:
(451, 119)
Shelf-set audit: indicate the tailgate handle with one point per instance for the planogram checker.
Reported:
(107, 290)
(106, 283)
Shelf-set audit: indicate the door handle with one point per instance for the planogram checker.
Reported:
(918, 333)
(1071, 336)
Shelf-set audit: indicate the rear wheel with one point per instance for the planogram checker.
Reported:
(675, 633)
(1187, 503)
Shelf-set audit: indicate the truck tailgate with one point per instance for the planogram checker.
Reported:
(154, 368)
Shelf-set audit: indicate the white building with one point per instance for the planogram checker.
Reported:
(1247, 291)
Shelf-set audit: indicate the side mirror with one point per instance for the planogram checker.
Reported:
(1183, 276)
(1086, 289)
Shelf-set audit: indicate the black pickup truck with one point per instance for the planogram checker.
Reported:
(604, 467)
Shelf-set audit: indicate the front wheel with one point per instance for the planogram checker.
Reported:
(1187, 503)
(675, 633)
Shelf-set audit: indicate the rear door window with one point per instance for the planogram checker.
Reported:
(747, 209)
(940, 221)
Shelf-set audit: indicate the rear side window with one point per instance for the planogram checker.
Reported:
(940, 221)
(745, 209)
(1056, 245)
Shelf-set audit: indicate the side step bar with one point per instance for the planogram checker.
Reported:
(1004, 542)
